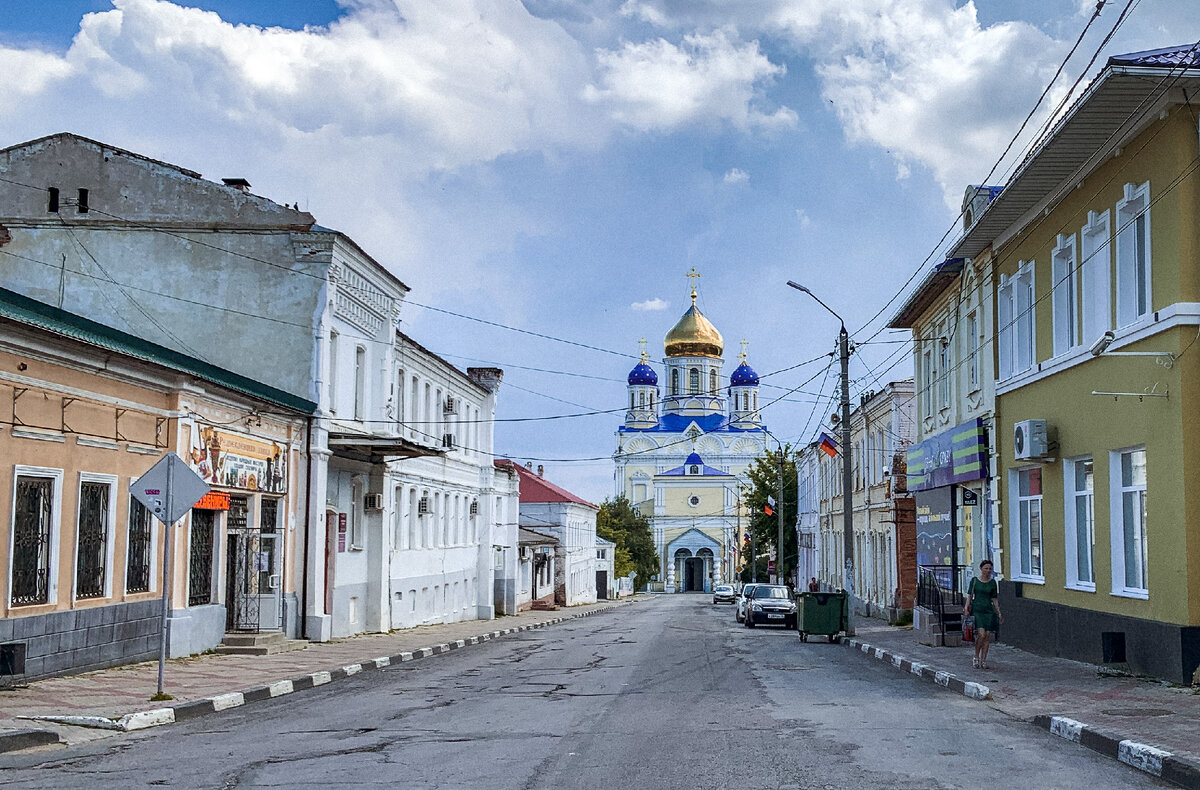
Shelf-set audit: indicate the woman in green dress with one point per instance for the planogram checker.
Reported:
(982, 604)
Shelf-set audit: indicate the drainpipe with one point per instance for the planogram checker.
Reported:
(307, 529)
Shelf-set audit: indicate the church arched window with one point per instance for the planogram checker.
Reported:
(674, 382)
(631, 400)
(652, 400)
(756, 401)
(642, 400)
(694, 381)
(712, 381)
(694, 470)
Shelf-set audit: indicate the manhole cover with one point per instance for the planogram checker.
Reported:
(1137, 712)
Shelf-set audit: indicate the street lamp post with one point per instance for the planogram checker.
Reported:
(847, 461)
(778, 513)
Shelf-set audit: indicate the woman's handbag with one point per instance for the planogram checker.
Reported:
(969, 629)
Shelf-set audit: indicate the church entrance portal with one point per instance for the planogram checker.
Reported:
(693, 574)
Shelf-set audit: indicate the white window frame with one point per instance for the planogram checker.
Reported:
(927, 380)
(360, 382)
(1072, 529)
(973, 381)
(1023, 549)
(1095, 274)
(358, 489)
(945, 364)
(1064, 300)
(1133, 211)
(1117, 525)
(333, 370)
(20, 470)
(111, 481)
(1017, 321)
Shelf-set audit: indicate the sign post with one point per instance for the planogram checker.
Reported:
(168, 491)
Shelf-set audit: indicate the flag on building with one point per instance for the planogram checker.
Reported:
(769, 508)
(828, 445)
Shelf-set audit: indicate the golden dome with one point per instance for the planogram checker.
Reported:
(694, 336)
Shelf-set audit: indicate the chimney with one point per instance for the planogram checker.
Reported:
(488, 378)
(541, 470)
(240, 184)
(529, 465)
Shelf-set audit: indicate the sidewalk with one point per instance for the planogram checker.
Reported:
(1115, 715)
(108, 695)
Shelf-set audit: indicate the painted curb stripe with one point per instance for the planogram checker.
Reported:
(1149, 759)
(226, 701)
(147, 718)
(1142, 757)
(976, 691)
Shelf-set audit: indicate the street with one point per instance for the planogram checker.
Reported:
(667, 693)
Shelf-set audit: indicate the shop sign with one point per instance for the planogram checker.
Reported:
(934, 525)
(213, 500)
(233, 460)
(957, 455)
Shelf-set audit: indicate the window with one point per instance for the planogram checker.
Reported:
(1095, 275)
(641, 400)
(973, 339)
(1016, 321)
(694, 381)
(1062, 272)
(944, 365)
(94, 527)
(200, 557)
(1028, 518)
(268, 528)
(712, 382)
(1133, 254)
(34, 517)
(333, 371)
(139, 542)
(927, 382)
(1079, 485)
(399, 399)
(360, 381)
(631, 403)
(1128, 513)
(356, 503)
(674, 382)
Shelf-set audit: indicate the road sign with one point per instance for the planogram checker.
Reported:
(169, 489)
(770, 566)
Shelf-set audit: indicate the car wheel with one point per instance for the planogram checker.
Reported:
(749, 621)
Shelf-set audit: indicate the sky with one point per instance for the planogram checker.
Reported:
(558, 166)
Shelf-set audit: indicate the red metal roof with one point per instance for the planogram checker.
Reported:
(535, 488)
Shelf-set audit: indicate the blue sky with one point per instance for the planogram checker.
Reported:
(559, 165)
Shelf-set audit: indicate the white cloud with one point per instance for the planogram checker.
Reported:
(921, 79)
(29, 72)
(736, 176)
(803, 218)
(651, 304)
(660, 86)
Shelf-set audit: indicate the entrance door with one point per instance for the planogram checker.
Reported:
(602, 585)
(253, 589)
(268, 566)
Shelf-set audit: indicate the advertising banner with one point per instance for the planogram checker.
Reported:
(956, 455)
(934, 522)
(234, 460)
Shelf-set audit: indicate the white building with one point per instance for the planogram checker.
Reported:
(258, 288)
(606, 555)
(554, 512)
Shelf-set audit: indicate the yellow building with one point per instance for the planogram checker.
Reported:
(1093, 252)
(680, 455)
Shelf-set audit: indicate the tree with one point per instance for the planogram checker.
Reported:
(764, 481)
(619, 522)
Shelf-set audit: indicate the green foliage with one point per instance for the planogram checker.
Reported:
(764, 481)
(619, 522)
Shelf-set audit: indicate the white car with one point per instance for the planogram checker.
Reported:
(724, 593)
(739, 612)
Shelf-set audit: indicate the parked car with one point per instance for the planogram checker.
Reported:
(723, 593)
(771, 604)
(739, 610)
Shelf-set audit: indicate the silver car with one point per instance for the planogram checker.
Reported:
(724, 593)
(739, 612)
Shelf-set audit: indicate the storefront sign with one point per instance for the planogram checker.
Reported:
(934, 524)
(956, 455)
(341, 532)
(213, 500)
(234, 460)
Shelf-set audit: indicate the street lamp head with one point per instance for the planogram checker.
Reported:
(799, 287)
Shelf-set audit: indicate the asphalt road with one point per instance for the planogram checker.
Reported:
(665, 694)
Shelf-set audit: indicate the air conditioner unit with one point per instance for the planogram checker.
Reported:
(451, 405)
(422, 505)
(373, 502)
(1031, 440)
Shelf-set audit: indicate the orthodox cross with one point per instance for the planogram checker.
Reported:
(693, 275)
(642, 345)
(745, 343)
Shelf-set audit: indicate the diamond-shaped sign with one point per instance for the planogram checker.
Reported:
(169, 489)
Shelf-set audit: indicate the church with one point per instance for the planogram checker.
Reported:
(684, 448)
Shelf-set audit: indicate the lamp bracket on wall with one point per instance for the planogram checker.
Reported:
(1149, 392)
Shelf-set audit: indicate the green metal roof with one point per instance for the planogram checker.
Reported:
(30, 312)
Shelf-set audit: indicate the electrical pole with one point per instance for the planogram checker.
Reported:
(779, 515)
(847, 477)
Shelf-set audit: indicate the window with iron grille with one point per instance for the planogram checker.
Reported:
(91, 550)
(200, 558)
(137, 566)
(31, 540)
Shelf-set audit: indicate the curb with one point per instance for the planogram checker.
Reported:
(967, 688)
(185, 711)
(1150, 759)
(13, 740)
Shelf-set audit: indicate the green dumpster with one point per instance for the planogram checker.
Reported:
(823, 613)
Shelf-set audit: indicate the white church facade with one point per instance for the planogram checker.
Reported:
(683, 450)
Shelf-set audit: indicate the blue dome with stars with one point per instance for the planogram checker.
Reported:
(643, 374)
(744, 376)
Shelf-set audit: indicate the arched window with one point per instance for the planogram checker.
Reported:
(642, 400)
(712, 381)
(674, 382)
(652, 400)
(756, 401)
(631, 400)
(694, 381)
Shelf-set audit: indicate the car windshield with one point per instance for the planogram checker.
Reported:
(770, 592)
(723, 588)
